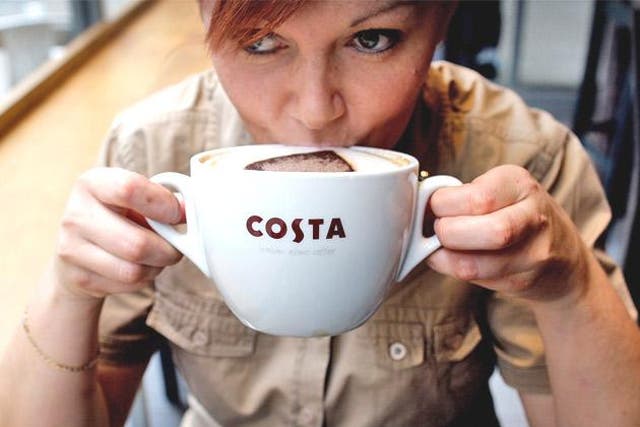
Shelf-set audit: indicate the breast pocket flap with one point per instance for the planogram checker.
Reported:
(203, 329)
(454, 341)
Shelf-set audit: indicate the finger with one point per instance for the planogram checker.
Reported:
(95, 285)
(89, 257)
(125, 189)
(122, 238)
(494, 231)
(135, 217)
(483, 267)
(496, 189)
(142, 221)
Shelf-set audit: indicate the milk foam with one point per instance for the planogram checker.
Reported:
(360, 160)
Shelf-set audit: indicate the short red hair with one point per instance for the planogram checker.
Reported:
(237, 19)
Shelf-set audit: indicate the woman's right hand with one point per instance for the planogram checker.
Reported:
(105, 245)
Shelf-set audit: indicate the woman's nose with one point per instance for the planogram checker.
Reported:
(317, 100)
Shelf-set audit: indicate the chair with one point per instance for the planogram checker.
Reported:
(161, 400)
(607, 120)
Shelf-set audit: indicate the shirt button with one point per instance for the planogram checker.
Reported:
(397, 351)
(199, 338)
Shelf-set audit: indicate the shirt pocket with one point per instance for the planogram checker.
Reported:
(397, 345)
(201, 326)
(463, 363)
(455, 341)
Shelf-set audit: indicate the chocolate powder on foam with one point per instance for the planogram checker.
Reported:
(317, 161)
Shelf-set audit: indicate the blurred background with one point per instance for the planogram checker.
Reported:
(68, 66)
(31, 32)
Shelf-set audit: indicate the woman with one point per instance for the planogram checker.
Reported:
(516, 273)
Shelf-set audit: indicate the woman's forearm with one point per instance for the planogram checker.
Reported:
(102, 249)
(593, 355)
(37, 392)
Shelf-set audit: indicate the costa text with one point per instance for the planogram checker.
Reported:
(299, 228)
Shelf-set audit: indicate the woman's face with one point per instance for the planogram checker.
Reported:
(335, 73)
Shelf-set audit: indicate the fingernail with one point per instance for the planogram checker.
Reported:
(181, 214)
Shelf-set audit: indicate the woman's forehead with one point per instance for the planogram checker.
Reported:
(246, 21)
(355, 12)
(362, 9)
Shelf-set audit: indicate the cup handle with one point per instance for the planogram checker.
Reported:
(189, 242)
(419, 246)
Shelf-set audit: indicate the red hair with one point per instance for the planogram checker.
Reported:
(237, 19)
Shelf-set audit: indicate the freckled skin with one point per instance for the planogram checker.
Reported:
(319, 89)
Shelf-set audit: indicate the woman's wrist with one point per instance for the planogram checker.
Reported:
(58, 291)
(44, 356)
(62, 327)
(574, 289)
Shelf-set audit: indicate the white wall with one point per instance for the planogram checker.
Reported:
(554, 41)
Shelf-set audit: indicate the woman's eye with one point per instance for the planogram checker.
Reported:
(268, 44)
(375, 41)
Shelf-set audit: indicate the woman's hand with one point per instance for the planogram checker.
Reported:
(105, 245)
(503, 231)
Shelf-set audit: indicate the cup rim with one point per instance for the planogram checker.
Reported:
(411, 162)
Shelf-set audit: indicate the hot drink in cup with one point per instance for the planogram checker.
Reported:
(301, 241)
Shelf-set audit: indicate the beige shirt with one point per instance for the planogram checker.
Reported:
(426, 355)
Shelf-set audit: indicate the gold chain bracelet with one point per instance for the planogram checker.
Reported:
(50, 361)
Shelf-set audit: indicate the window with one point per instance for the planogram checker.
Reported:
(34, 31)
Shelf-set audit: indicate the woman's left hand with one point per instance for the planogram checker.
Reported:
(503, 231)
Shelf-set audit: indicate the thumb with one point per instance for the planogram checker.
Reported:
(140, 219)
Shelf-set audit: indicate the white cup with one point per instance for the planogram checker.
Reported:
(302, 253)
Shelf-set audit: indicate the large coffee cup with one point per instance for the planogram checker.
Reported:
(303, 253)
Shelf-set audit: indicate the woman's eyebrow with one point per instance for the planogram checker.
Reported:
(390, 5)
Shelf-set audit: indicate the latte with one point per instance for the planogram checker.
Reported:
(283, 158)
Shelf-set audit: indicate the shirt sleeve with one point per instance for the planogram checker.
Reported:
(125, 338)
(572, 181)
